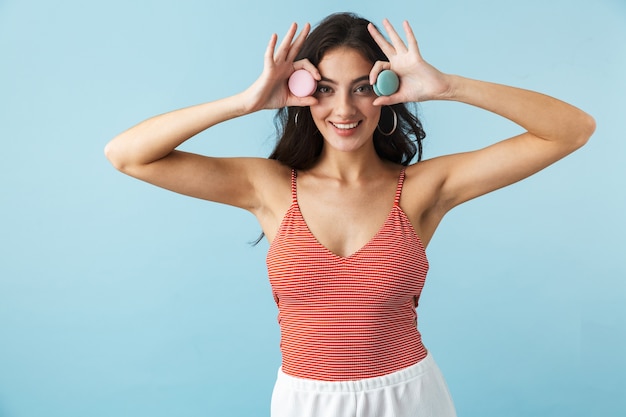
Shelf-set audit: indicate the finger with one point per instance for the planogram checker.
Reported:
(297, 44)
(387, 100)
(386, 47)
(410, 38)
(283, 48)
(302, 101)
(379, 66)
(381, 101)
(269, 51)
(396, 40)
(307, 65)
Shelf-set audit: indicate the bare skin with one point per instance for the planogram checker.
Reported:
(346, 196)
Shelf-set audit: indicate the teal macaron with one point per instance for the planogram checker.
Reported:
(387, 83)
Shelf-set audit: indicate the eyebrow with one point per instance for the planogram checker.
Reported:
(357, 80)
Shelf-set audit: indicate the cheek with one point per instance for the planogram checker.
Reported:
(373, 114)
(367, 108)
(320, 111)
(318, 117)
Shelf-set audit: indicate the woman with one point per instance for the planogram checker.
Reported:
(347, 215)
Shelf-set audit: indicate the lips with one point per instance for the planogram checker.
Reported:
(345, 126)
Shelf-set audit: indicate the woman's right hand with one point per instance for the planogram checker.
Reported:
(270, 90)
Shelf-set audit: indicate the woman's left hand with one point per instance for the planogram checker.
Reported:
(419, 81)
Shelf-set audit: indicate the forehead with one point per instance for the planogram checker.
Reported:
(344, 60)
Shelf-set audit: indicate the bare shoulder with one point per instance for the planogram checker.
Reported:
(269, 171)
(265, 182)
(271, 181)
(421, 196)
(424, 181)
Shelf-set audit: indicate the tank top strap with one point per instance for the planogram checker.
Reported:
(294, 191)
(399, 187)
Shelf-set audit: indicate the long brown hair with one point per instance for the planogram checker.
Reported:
(300, 142)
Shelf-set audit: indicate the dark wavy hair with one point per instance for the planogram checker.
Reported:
(300, 144)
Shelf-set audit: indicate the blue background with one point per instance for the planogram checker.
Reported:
(121, 299)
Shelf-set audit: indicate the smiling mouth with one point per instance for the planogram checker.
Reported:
(345, 126)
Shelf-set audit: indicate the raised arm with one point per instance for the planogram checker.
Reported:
(148, 152)
(553, 128)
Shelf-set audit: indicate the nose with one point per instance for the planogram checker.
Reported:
(344, 104)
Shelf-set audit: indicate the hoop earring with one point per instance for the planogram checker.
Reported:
(295, 119)
(395, 124)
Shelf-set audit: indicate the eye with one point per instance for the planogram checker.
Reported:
(323, 89)
(363, 89)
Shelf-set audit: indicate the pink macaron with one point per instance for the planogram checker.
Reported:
(302, 83)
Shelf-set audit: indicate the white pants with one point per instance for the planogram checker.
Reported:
(416, 391)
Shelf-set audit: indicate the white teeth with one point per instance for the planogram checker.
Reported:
(345, 126)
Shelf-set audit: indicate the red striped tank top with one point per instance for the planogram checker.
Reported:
(347, 318)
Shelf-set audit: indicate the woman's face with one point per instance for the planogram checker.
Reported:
(344, 114)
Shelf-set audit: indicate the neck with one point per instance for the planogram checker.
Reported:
(350, 166)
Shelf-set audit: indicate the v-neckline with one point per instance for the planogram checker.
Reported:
(359, 250)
